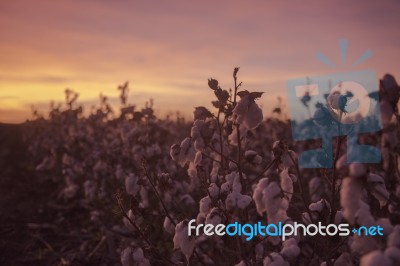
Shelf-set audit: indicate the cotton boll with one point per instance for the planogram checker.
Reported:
(201, 218)
(258, 195)
(287, 157)
(205, 205)
(198, 158)
(280, 215)
(187, 152)
(272, 198)
(192, 170)
(214, 172)
(377, 188)
(126, 221)
(168, 226)
(317, 210)
(394, 237)
(214, 217)
(182, 241)
(275, 259)
(236, 200)
(187, 200)
(398, 164)
(153, 150)
(357, 170)
(253, 117)
(174, 152)
(126, 257)
(233, 137)
(199, 144)
(131, 185)
(252, 157)
(198, 123)
(230, 201)
(195, 131)
(232, 166)
(138, 257)
(242, 106)
(90, 188)
(319, 206)
(236, 184)
(350, 196)
(363, 215)
(67, 161)
(290, 249)
(213, 189)
(393, 253)
(70, 191)
(119, 173)
(386, 225)
(243, 201)
(286, 184)
(375, 258)
(363, 244)
(226, 187)
(342, 165)
(185, 144)
(232, 183)
(306, 217)
(100, 166)
(334, 100)
(144, 203)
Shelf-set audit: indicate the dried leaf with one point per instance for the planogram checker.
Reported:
(242, 94)
(222, 95)
(213, 84)
(201, 112)
(235, 71)
(254, 95)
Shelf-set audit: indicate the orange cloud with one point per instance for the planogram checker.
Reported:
(169, 49)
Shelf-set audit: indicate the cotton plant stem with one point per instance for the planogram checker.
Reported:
(334, 173)
(300, 182)
(158, 196)
(166, 210)
(266, 168)
(142, 235)
(239, 157)
(239, 154)
(220, 138)
(225, 157)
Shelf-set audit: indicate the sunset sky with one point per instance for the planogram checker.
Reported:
(168, 49)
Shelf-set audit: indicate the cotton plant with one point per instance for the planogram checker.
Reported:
(182, 241)
(231, 164)
(133, 257)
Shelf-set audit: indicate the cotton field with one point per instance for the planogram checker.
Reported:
(129, 183)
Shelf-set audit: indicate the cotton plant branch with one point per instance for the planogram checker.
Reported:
(239, 140)
(334, 173)
(300, 185)
(137, 228)
(147, 175)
